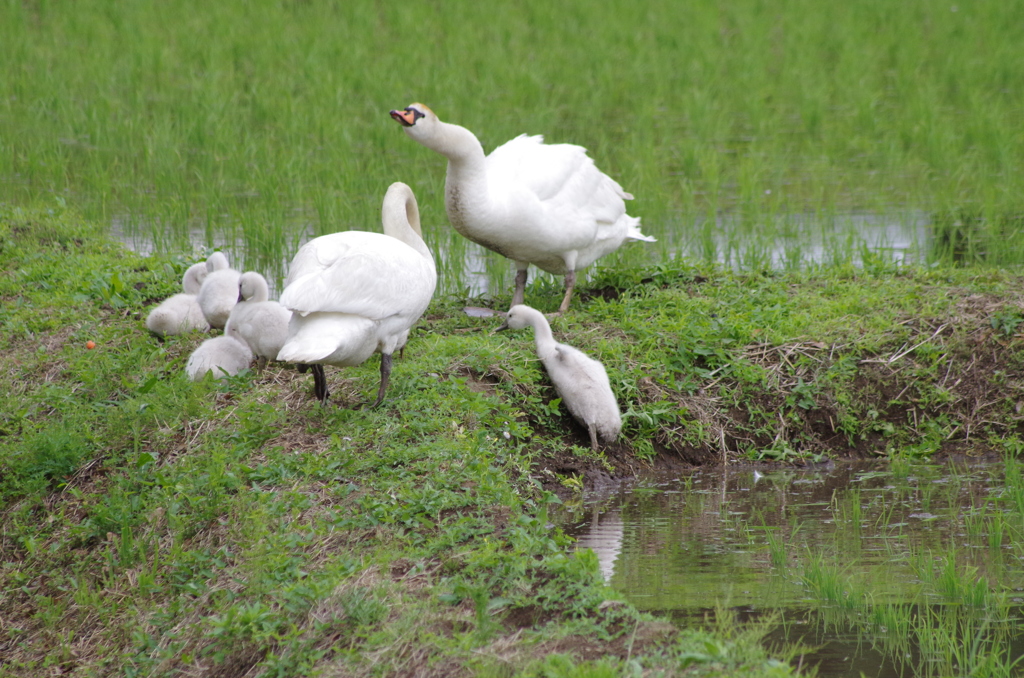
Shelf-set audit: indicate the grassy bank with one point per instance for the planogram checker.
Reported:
(153, 526)
(260, 124)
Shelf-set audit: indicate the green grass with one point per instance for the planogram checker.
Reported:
(956, 618)
(258, 125)
(153, 525)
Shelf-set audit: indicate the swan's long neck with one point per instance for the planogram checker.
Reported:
(456, 143)
(400, 216)
(542, 333)
(261, 291)
(193, 278)
(216, 262)
(466, 180)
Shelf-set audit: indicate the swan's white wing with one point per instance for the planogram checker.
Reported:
(528, 162)
(550, 169)
(573, 365)
(586, 392)
(581, 205)
(359, 273)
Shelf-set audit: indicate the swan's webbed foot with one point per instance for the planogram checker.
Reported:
(385, 377)
(319, 383)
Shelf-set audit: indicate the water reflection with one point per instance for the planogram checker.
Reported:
(833, 549)
(603, 536)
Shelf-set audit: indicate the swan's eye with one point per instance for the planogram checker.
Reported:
(416, 114)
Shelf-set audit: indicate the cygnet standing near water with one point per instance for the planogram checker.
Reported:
(580, 380)
(219, 292)
(257, 321)
(180, 313)
(223, 355)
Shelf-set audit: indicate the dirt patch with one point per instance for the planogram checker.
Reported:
(482, 382)
(237, 664)
(645, 637)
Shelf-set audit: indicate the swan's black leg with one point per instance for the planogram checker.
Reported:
(385, 376)
(519, 295)
(593, 436)
(570, 283)
(319, 383)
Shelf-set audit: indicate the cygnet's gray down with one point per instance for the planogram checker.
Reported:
(580, 380)
(221, 355)
(181, 313)
(219, 292)
(257, 321)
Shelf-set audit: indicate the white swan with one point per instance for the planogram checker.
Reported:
(580, 380)
(256, 321)
(219, 292)
(180, 313)
(355, 293)
(223, 355)
(535, 203)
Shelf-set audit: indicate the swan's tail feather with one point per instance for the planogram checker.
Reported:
(306, 351)
(319, 336)
(633, 232)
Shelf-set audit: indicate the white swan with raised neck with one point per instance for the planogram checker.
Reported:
(535, 203)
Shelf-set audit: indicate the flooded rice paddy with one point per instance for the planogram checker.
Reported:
(871, 569)
(781, 242)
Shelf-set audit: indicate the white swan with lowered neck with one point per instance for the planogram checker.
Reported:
(257, 321)
(535, 203)
(355, 293)
(580, 380)
(180, 313)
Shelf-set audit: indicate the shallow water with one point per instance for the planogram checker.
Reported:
(787, 241)
(748, 540)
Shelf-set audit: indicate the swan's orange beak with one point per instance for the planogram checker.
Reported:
(407, 117)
